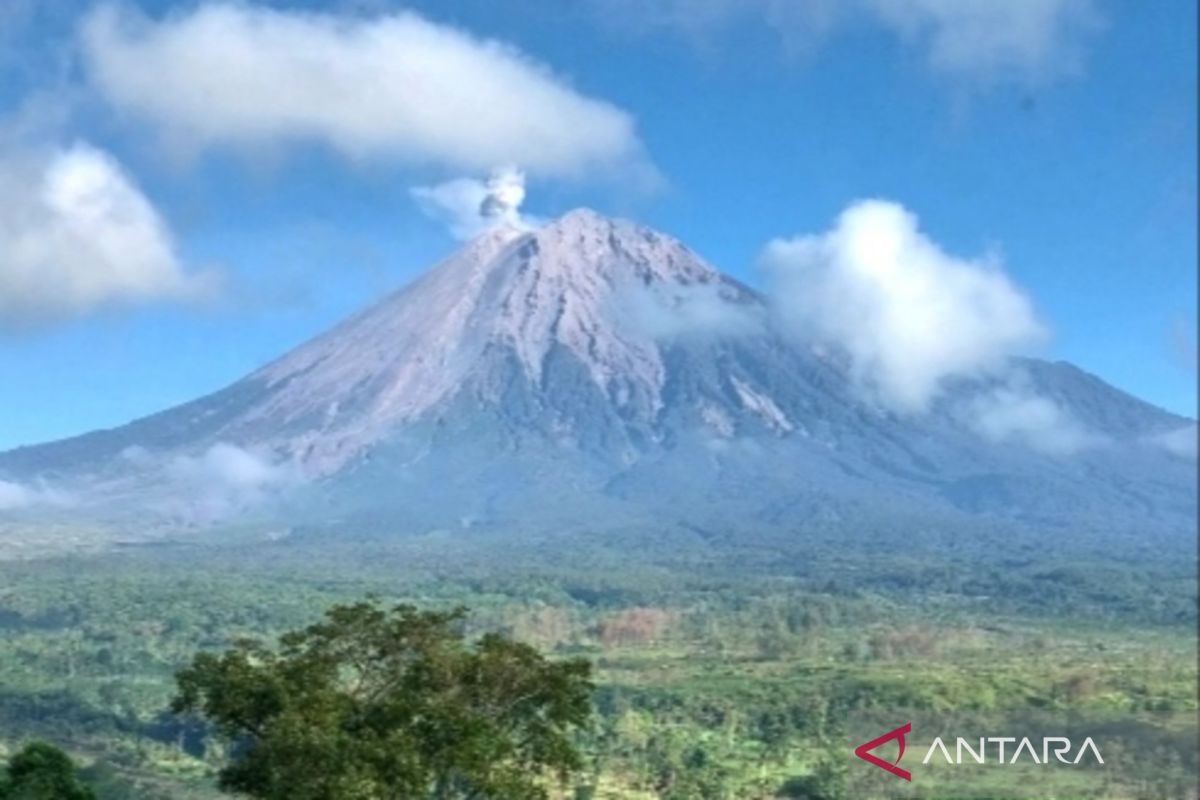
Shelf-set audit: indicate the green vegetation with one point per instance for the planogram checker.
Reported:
(721, 671)
(370, 703)
(42, 772)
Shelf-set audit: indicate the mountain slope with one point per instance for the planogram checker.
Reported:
(597, 372)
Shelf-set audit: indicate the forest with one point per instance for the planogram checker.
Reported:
(721, 670)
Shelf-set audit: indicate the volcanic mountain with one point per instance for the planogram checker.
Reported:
(595, 373)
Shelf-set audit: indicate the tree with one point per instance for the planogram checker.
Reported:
(383, 704)
(41, 771)
(827, 781)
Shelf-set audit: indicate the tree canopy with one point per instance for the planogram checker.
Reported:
(374, 703)
(41, 771)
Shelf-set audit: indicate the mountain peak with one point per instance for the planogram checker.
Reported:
(586, 247)
(584, 216)
(534, 363)
(510, 295)
(586, 222)
(583, 224)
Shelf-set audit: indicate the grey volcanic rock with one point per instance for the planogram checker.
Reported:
(596, 373)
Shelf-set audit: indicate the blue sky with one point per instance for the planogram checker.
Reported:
(1057, 137)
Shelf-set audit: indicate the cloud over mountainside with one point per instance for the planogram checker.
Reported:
(225, 477)
(395, 86)
(15, 496)
(909, 315)
(216, 481)
(1017, 414)
(76, 234)
(1181, 442)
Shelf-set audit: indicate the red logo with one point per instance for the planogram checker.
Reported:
(863, 751)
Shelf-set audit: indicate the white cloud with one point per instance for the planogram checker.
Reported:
(224, 479)
(669, 311)
(227, 467)
(908, 314)
(136, 455)
(1184, 348)
(394, 86)
(1029, 39)
(1018, 415)
(76, 234)
(469, 206)
(1181, 442)
(15, 496)
(1025, 40)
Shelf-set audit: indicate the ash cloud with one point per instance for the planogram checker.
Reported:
(470, 206)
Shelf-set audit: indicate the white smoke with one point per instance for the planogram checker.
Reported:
(505, 193)
(469, 206)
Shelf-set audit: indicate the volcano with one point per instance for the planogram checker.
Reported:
(594, 373)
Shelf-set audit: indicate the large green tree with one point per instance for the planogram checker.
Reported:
(41, 771)
(380, 704)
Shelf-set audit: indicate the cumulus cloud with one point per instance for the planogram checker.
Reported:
(908, 314)
(395, 86)
(469, 206)
(1012, 414)
(1028, 41)
(77, 234)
